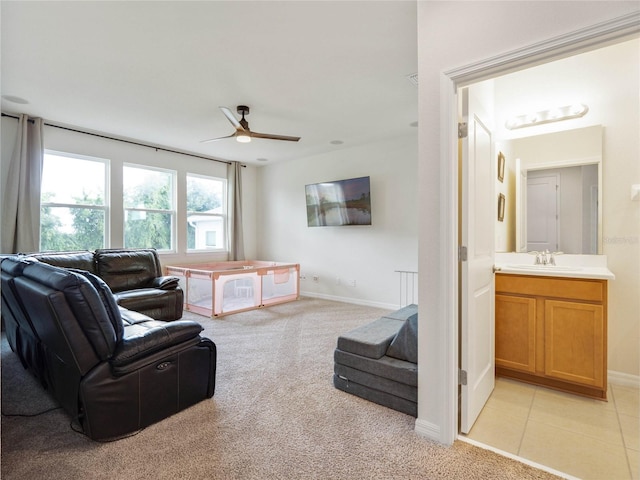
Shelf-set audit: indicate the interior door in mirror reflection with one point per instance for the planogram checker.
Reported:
(542, 213)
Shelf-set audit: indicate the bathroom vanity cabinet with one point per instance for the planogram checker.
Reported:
(552, 331)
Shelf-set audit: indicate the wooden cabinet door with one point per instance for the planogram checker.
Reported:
(575, 342)
(516, 333)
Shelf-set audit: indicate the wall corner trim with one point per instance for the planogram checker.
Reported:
(613, 30)
(428, 430)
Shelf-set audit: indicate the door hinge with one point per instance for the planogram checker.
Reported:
(463, 130)
(462, 377)
(462, 253)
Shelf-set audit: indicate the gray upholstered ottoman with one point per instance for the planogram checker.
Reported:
(378, 361)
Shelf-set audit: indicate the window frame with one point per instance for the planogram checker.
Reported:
(224, 216)
(173, 211)
(105, 208)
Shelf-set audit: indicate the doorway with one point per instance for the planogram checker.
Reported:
(460, 81)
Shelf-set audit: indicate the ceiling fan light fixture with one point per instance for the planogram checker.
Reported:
(243, 134)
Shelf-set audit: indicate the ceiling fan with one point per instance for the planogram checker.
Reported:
(242, 133)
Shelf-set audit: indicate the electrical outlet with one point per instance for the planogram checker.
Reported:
(352, 283)
(316, 278)
(303, 276)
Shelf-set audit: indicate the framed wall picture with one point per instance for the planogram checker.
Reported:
(501, 204)
(501, 166)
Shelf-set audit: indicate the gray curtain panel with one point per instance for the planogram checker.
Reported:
(234, 187)
(21, 196)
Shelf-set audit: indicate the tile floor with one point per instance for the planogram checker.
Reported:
(585, 438)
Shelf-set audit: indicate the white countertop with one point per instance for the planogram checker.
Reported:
(568, 266)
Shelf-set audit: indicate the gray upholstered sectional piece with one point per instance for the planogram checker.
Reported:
(378, 361)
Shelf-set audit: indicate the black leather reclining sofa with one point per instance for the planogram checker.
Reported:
(134, 276)
(113, 370)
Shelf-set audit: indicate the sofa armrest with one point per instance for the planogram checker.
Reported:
(166, 282)
(150, 340)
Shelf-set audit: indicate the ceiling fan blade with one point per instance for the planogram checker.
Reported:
(232, 118)
(274, 137)
(219, 138)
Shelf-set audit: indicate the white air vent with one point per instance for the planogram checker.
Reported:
(413, 78)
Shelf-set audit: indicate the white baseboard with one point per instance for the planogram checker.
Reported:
(355, 301)
(428, 430)
(623, 379)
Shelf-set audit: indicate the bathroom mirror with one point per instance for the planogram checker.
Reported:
(555, 185)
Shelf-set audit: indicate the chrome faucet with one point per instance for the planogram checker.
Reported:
(538, 258)
(552, 257)
(542, 258)
(546, 257)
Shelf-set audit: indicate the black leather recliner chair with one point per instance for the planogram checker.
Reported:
(113, 370)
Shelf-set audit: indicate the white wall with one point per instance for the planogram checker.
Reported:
(483, 30)
(119, 153)
(505, 233)
(368, 255)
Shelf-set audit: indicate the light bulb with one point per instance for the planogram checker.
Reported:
(243, 138)
(554, 113)
(577, 109)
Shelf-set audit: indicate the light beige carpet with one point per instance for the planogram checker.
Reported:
(275, 415)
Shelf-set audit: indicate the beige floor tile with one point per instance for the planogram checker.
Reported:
(627, 400)
(630, 431)
(573, 453)
(634, 463)
(499, 429)
(579, 415)
(601, 404)
(514, 398)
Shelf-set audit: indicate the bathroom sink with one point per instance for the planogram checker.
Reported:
(551, 268)
(571, 266)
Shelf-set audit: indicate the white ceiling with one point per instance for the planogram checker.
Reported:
(157, 71)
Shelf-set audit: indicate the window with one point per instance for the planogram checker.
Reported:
(73, 213)
(211, 237)
(206, 213)
(149, 207)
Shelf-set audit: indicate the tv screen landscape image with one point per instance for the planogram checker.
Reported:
(337, 203)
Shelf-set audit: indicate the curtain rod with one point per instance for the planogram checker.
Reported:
(125, 141)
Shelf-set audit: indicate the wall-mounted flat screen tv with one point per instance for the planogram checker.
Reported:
(341, 202)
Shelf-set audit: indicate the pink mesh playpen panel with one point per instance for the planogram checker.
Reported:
(216, 289)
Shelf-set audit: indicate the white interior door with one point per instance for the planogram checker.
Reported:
(479, 214)
(542, 213)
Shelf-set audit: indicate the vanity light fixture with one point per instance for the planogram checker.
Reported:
(547, 116)
(14, 99)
